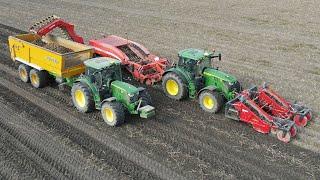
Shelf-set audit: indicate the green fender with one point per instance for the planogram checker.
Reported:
(93, 89)
(210, 88)
(186, 77)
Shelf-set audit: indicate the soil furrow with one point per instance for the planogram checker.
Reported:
(72, 165)
(19, 161)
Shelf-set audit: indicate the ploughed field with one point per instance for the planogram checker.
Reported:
(43, 136)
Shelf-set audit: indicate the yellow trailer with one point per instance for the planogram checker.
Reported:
(38, 61)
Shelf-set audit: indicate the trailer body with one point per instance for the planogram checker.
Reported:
(24, 49)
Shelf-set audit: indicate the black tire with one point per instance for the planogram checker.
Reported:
(38, 79)
(113, 113)
(24, 71)
(82, 98)
(176, 94)
(211, 101)
(146, 98)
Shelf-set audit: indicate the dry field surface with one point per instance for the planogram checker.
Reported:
(44, 137)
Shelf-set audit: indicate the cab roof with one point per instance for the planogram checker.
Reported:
(192, 53)
(101, 62)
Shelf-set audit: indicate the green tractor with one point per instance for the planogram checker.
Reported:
(101, 87)
(194, 77)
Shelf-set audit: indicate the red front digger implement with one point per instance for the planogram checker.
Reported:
(244, 108)
(277, 106)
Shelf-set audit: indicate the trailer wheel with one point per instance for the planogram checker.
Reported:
(146, 98)
(38, 79)
(300, 120)
(284, 136)
(113, 113)
(24, 71)
(174, 87)
(82, 97)
(210, 101)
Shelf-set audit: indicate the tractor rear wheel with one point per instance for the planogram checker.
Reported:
(38, 79)
(174, 87)
(24, 71)
(210, 101)
(113, 113)
(82, 97)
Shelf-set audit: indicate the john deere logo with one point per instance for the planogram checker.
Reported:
(51, 59)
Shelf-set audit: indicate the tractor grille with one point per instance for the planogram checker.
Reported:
(235, 87)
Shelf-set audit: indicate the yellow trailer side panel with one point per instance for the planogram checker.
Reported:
(23, 48)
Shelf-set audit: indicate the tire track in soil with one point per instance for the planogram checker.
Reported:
(18, 161)
(70, 164)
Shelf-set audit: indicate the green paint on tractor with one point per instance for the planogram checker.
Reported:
(194, 76)
(104, 89)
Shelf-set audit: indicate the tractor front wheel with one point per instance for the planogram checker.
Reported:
(24, 71)
(146, 98)
(174, 87)
(210, 101)
(82, 97)
(38, 79)
(113, 113)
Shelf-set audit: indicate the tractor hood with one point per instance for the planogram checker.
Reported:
(130, 89)
(219, 74)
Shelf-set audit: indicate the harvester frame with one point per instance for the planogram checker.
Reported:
(278, 106)
(138, 61)
(244, 108)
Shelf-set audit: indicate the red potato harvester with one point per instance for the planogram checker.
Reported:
(245, 108)
(144, 66)
(277, 106)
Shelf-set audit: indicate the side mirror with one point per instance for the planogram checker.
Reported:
(219, 56)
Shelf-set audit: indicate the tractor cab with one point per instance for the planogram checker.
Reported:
(102, 70)
(195, 60)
